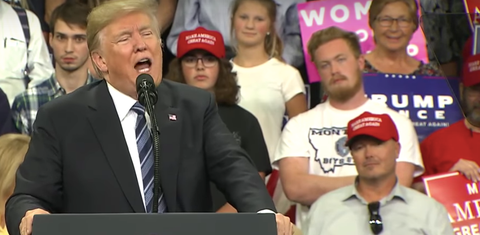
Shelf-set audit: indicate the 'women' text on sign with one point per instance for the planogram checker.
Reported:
(351, 15)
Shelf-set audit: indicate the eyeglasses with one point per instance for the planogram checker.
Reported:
(388, 21)
(207, 61)
(376, 224)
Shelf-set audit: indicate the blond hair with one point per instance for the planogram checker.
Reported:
(329, 34)
(377, 6)
(273, 43)
(104, 14)
(13, 148)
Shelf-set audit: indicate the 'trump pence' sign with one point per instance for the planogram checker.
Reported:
(351, 15)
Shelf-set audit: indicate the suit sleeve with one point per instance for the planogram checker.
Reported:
(229, 166)
(39, 177)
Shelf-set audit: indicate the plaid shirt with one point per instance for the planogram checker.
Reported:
(26, 105)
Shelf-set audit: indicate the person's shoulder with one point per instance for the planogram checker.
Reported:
(238, 111)
(186, 95)
(419, 200)
(311, 114)
(445, 134)
(334, 198)
(31, 94)
(282, 67)
(75, 101)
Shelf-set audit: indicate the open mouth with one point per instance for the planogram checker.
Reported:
(143, 65)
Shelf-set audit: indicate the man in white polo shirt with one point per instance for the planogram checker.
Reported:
(376, 203)
(311, 155)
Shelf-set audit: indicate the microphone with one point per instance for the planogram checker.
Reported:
(148, 97)
(146, 89)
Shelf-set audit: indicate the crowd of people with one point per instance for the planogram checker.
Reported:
(342, 159)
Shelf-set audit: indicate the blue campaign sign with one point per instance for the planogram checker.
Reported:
(430, 102)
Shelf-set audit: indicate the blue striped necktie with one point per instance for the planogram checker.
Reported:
(145, 152)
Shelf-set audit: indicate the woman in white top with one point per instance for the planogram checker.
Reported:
(268, 86)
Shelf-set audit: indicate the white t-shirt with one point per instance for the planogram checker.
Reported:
(320, 135)
(264, 90)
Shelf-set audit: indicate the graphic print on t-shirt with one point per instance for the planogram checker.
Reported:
(330, 160)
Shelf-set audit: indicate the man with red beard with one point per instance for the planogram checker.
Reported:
(456, 148)
(311, 156)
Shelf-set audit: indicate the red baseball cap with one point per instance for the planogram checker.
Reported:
(379, 126)
(471, 71)
(201, 38)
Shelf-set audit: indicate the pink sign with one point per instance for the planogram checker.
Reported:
(351, 15)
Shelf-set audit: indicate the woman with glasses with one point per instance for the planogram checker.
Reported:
(201, 63)
(393, 23)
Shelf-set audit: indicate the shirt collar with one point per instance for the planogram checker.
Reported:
(58, 88)
(397, 193)
(123, 103)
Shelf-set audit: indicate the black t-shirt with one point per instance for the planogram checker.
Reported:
(246, 130)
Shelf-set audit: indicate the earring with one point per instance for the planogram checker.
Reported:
(268, 33)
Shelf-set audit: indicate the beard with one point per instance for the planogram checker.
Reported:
(343, 93)
(471, 110)
(472, 113)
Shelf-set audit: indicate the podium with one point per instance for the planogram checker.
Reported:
(155, 224)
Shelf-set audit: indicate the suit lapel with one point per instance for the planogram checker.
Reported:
(169, 119)
(108, 130)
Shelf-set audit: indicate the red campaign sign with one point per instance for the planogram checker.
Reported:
(460, 197)
(472, 8)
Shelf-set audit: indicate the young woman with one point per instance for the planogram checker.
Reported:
(200, 62)
(269, 87)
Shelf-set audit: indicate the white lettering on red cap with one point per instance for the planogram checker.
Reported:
(364, 122)
(474, 66)
(201, 36)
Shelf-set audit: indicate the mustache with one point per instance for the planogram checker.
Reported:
(368, 162)
(337, 77)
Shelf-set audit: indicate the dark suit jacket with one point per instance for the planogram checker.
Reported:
(78, 160)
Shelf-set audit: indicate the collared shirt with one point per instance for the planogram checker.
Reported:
(13, 53)
(403, 211)
(128, 118)
(26, 105)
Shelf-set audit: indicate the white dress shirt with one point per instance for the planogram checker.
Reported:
(123, 104)
(128, 119)
(13, 53)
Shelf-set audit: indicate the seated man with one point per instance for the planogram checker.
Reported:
(376, 203)
(311, 155)
(456, 148)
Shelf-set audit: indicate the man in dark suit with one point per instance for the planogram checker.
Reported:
(89, 152)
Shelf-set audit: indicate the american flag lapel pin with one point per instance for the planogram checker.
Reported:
(172, 117)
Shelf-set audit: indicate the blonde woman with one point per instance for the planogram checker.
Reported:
(269, 87)
(13, 148)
